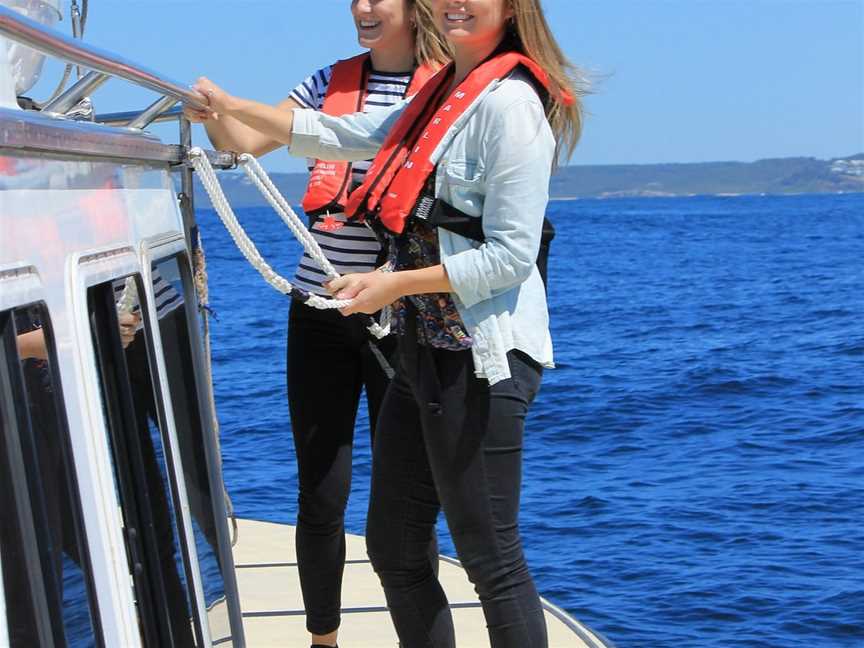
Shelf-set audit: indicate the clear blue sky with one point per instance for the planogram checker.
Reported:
(677, 80)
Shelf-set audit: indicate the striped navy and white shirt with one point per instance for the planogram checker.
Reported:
(349, 245)
(168, 298)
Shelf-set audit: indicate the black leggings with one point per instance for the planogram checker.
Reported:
(329, 362)
(446, 439)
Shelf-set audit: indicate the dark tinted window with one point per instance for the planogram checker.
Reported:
(172, 291)
(46, 569)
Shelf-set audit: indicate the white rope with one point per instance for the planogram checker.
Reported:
(247, 247)
(199, 277)
(265, 185)
(382, 328)
(259, 177)
(128, 298)
(244, 243)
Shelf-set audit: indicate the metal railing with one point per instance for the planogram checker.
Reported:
(128, 117)
(103, 65)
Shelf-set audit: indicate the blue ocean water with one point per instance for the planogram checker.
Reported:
(694, 467)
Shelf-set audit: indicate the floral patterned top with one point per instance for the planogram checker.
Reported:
(438, 322)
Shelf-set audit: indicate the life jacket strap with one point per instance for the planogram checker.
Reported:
(439, 213)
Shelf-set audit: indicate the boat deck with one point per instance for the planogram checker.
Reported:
(272, 605)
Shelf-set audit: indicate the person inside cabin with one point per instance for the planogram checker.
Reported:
(404, 51)
(475, 146)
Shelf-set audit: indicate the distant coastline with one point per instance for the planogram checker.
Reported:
(772, 176)
(649, 195)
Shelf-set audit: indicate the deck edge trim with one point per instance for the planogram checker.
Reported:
(351, 610)
(355, 561)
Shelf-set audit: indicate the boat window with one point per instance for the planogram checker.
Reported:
(198, 449)
(4, 636)
(142, 460)
(47, 579)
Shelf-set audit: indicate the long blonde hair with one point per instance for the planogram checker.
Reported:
(430, 48)
(535, 39)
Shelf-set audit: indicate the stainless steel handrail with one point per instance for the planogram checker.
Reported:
(151, 112)
(126, 117)
(53, 43)
(84, 86)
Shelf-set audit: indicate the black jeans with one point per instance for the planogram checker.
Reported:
(329, 363)
(446, 439)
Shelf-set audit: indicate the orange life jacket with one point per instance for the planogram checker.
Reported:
(402, 167)
(330, 182)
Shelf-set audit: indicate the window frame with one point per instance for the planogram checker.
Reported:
(176, 250)
(131, 484)
(20, 441)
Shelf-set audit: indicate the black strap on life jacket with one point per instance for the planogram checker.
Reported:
(444, 215)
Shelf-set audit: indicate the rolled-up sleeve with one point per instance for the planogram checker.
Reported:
(357, 136)
(518, 152)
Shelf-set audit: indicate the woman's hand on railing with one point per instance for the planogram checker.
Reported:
(197, 116)
(206, 91)
(220, 102)
(242, 125)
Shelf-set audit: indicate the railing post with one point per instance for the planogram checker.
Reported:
(151, 112)
(187, 190)
(201, 352)
(82, 88)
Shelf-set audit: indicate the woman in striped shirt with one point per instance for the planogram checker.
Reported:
(403, 44)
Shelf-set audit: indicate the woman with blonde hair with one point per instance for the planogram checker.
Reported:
(459, 185)
(404, 50)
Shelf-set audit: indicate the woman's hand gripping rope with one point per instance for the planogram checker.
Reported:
(369, 292)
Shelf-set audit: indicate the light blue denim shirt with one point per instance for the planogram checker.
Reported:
(493, 164)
